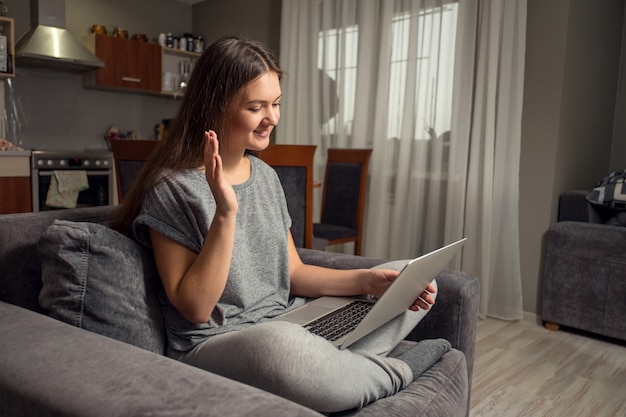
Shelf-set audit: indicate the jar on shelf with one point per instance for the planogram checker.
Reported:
(199, 45)
(169, 40)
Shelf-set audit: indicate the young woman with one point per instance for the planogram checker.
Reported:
(216, 218)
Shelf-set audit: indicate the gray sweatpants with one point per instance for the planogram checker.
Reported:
(287, 360)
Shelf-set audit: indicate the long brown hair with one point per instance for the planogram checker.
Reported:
(224, 68)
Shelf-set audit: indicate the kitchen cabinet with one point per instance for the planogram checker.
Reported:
(15, 183)
(128, 63)
(7, 48)
(135, 65)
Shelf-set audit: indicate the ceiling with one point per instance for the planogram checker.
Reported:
(189, 1)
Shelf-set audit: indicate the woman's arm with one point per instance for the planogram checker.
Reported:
(316, 281)
(194, 282)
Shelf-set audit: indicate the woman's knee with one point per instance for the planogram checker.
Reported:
(276, 333)
(273, 342)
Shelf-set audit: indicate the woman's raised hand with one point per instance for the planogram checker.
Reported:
(225, 197)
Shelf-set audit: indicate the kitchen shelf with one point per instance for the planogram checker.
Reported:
(180, 53)
(7, 30)
(171, 63)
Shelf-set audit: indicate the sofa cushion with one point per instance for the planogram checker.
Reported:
(100, 280)
(609, 192)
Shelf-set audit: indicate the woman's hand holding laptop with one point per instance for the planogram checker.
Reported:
(381, 279)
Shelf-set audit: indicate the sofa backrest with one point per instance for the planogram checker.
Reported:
(20, 264)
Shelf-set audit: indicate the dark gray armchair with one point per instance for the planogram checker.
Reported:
(584, 282)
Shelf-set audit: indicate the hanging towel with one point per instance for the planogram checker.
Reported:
(64, 188)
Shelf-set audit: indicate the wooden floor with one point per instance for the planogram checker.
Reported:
(523, 369)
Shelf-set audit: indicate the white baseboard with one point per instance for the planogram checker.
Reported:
(532, 318)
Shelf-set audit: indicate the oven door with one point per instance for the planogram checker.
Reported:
(98, 193)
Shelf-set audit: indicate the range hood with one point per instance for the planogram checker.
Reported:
(48, 44)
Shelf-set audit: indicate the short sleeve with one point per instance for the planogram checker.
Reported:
(179, 207)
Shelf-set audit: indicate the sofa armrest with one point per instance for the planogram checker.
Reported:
(443, 390)
(337, 260)
(574, 207)
(454, 315)
(51, 368)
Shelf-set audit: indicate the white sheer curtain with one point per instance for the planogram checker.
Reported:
(434, 88)
(483, 195)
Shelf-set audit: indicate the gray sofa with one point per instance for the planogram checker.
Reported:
(584, 281)
(51, 368)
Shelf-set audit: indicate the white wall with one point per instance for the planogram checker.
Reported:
(618, 149)
(572, 63)
(255, 19)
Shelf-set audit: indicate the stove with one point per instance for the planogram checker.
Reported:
(91, 172)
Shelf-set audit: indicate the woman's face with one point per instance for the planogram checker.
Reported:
(254, 113)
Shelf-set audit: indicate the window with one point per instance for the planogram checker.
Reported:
(337, 62)
(422, 46)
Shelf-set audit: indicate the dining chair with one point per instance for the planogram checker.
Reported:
(130, 155)
(294, 166)
(343, 198)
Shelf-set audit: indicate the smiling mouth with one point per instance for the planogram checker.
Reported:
(263, 133)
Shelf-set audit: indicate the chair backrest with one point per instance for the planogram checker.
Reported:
(345, 186)
(130, 155)
(294, 166)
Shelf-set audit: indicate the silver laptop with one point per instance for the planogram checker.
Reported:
(327, 316)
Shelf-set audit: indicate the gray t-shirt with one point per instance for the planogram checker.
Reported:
(182, 207)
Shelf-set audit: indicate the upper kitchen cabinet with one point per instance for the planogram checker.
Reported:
(128, 63)
(7, 48)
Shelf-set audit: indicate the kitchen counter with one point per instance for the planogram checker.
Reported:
(15, 164)
(15, 182)
(15, 153)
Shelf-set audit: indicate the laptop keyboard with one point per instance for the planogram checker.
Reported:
(340, 322)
